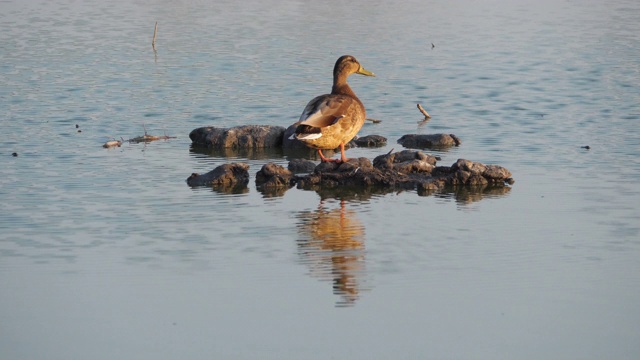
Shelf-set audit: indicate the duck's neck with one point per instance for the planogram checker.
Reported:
(340, 86)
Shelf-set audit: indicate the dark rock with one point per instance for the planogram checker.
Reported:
(288, 142)
(239, 137)
(227, 175)
(429, 141)
(406, 161)
(371, 141)
(473, 173)
(298, 166)
(355, 172)
(405, 170)
(274, 176)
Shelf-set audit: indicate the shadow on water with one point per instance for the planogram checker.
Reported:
(234, 153)
(258, 153)
(331, 243)
(465, 195)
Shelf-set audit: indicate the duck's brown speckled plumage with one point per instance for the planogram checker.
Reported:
(332, 120)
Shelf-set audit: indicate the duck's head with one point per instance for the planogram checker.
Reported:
(347, 65)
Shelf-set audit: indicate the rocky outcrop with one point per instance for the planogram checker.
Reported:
(408, 169)
(224, 176)
(239, 137)
(405, 170)
(267, 136)
(429, 141)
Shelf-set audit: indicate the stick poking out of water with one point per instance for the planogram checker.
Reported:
(155, 33)
(424, 112)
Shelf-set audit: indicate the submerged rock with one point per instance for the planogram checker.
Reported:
(227, 175)
(417, 141)
(239, 137)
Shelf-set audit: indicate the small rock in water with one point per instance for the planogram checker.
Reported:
(226, 175)
(371, 141)
(273, 176)
(298, 166)
(417, 141)
(14, 154)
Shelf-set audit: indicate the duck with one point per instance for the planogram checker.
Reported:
(331, 120)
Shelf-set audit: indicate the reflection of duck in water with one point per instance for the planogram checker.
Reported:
(332, 243)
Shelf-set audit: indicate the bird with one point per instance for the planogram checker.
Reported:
(332, 120)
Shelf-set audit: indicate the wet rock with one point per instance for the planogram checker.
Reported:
(298, 166)
(406, 161)
(472, 171)
(288, 142)
(227, 175)
(274, 176)
(371, 141)
(417, 141)
(405, 170)
(239, 137)
(355, 172)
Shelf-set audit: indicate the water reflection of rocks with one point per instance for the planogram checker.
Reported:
(331, 243)
(467, 195)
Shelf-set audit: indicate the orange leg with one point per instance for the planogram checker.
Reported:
(343, 156)
(322, 158)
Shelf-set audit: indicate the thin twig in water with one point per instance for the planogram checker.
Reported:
(155, 33)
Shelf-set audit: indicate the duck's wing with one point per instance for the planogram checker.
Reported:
(325, 110)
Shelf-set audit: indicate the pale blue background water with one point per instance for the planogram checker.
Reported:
(108, 254)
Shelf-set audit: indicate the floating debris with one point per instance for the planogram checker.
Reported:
(424, 112)
(112, 143)
(149, 138)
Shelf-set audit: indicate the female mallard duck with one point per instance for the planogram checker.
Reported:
(332, 120)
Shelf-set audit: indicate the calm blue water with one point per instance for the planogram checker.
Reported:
(109, 254)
